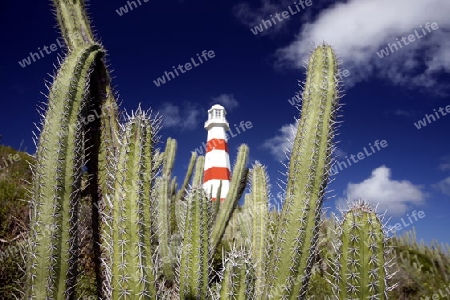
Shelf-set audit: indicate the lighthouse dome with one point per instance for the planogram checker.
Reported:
(217, 106)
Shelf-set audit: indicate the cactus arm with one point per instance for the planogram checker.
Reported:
(101, 146)
(74, 23)
(194, 263)
(57, 181)
(163, 210)
(147, 219)
(297, 227)
(173, 188)
(130, 209)
(101, 135)
(226, 209)
(117, 236)
(180, 206)
(132, 264)
(158, 159)
(260, 218)
(238, 277)
(216, 204)
(360, 265)
(246, 219)
(226, 290)
(163, 227)
(198, 173)
(169, 158)
(187, 178)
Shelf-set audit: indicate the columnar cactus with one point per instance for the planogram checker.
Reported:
(362, 259)
(53, 252)
(132, 269)
(237, 186)
(256, 219)
(194, 261)
(297, 226)
(163, 209)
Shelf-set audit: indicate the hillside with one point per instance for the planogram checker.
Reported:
(15, 176)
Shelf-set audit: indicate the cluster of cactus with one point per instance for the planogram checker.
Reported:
(153, 240)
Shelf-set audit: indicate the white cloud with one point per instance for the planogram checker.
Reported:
(227, 100)
(279, 144)
(185, 118)
(444, 186)
(357, 29)
(253, 16)
(403, 113)
(282, 143)
(394, 195)
(445, 165)
(339, 153)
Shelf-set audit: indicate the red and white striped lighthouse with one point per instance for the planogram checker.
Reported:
(217, 160)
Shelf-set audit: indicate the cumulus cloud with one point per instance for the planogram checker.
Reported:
(403, 113)
(251, 16)
(445, 165)
(227, 100)
(358, 29)
(186, 117)
(444, 186)
(282, 142)
(397, 196)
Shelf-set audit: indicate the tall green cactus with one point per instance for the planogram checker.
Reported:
(101, 135)
(362, 259)
(234, 194)
(297, 226)
(164, 208)
(52, 267)
(194, 261)
(187, 178)
(132, 269)
(259, 212)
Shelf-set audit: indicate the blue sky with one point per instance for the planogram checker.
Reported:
(255, 75)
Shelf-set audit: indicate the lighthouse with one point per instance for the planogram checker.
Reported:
(217, 161)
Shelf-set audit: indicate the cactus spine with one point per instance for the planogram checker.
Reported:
(297, 226)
